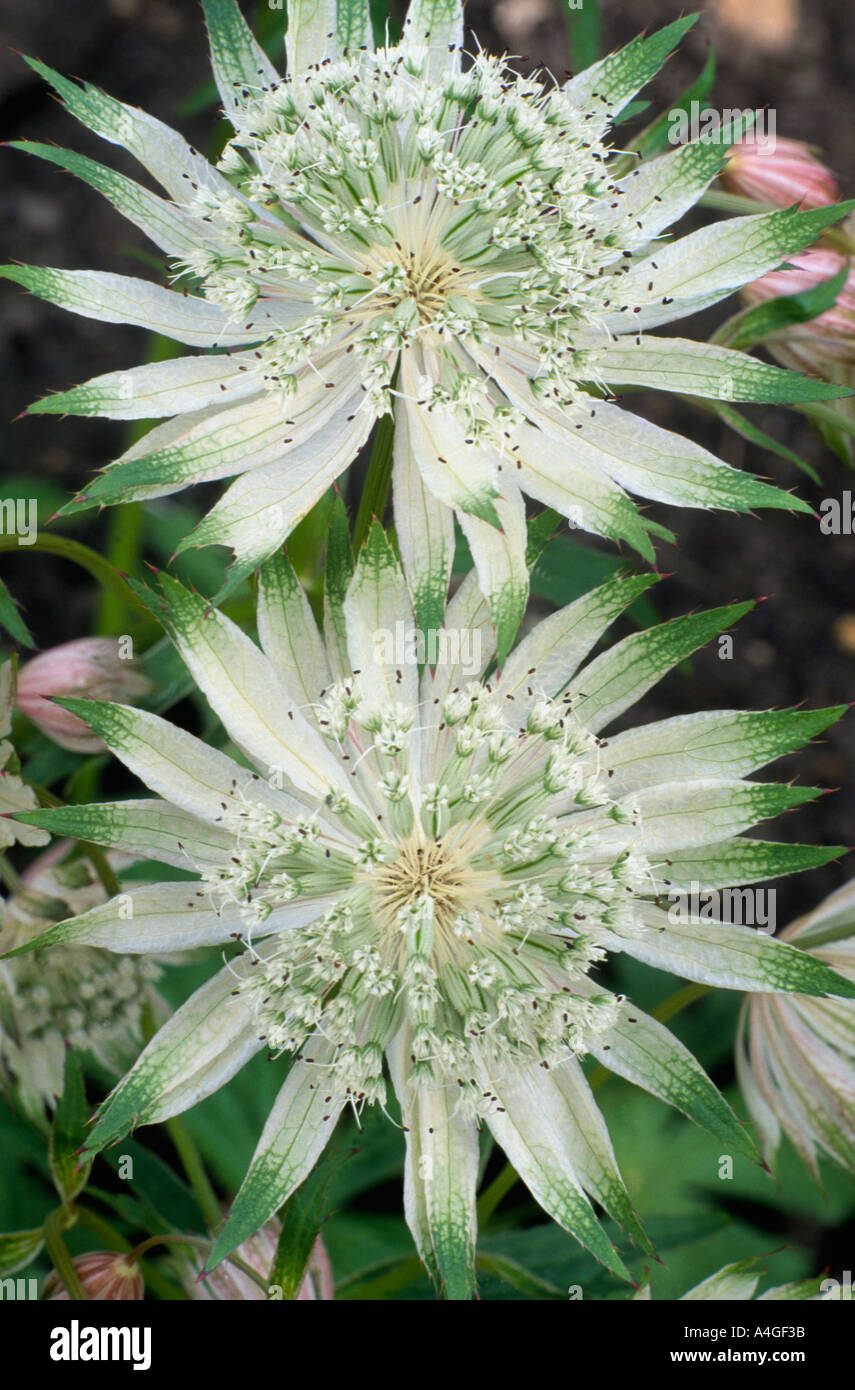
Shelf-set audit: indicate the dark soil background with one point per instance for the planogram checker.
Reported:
(798, 646)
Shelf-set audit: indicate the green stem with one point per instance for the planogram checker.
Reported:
(103, 1229)
(508, 1177)
(375, 490)
(54, 1225)
(123, 544)
(88, 559)
(110, 1237)
(679, 1000)
(495, 1193)
(193, 1166)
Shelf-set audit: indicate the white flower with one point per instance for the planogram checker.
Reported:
(70, 996)
(386, 232)
(447, 944)
(796, 1057)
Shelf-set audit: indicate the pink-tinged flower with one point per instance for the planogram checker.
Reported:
(92, 667)
(795, 1056)
(104, 1275)
(229, 1283)
(780, 172)
(825, 345)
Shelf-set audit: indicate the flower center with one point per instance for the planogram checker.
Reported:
(423, 278)
(431, 882)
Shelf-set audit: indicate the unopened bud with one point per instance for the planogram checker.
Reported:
(92, 668)
(780, 172)
(104, 1275)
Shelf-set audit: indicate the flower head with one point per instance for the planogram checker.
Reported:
(390, 232)
(796, 1057)
(104, 1275)
(78, 996)
(423, 876)
(90, 666)
(780, 172)
(826, 343)
(228, 1282)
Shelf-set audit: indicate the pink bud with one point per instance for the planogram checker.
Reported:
(823, 345)
(229, 1283)
(91, 667)
(780, 172)
(104, 1275)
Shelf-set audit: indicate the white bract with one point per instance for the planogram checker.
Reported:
(462, 246)
(796, 1057)
(422, 876)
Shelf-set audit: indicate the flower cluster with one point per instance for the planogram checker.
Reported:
(425, 874)
(75, 996)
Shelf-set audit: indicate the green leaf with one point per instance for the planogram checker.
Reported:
(612, 81)
(540, 530)
(521, 1280)
(611, 683)
(69, 1168)
(339, 572)
(302, 1217)
(163, 1195)
(583, 31)
(745, 330)
(655, 136)
(748, 430)
(18, 1249)
(11, 620)
(566, 569)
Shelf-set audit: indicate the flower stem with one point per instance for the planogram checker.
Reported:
(193, 1166)
(493, 1195)
(54, 1225)
(89, 560)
